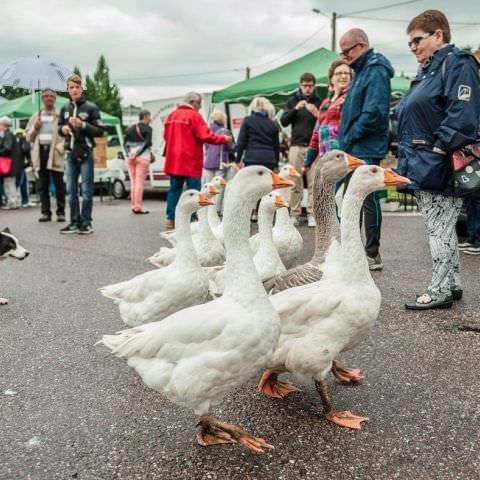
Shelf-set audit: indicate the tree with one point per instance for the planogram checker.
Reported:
(10, 93)
(101, 91)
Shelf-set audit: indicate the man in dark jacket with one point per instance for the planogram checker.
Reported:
(364, 123)
(301, 113)
(79, 123)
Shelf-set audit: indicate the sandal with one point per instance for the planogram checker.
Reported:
(427, 302)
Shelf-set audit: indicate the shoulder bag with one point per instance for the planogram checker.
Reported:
(5, 166)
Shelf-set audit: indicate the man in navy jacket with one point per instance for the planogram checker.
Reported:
(364, 122)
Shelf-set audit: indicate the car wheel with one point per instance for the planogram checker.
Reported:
(118, 189)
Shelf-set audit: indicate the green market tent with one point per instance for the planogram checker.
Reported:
(280, 82)
(26, 106)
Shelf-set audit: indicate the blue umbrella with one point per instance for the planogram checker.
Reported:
(35, 74)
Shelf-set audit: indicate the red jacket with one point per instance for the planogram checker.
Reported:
(185, 133)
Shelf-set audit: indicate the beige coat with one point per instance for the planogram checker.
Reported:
(56, 157)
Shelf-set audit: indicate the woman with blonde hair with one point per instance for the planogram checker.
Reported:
(258, 142)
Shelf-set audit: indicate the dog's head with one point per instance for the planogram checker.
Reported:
(9, 246)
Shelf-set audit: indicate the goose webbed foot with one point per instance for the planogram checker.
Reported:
(344, 374)
(345, 419)
(271, 387)
(342, 418)
(211, 431)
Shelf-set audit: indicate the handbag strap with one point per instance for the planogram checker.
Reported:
(139, 133)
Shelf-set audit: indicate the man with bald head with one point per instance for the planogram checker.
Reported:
(364, 123)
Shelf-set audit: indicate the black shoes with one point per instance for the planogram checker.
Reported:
(457, 294)
(82, 230)
(45, 218)
(432, 302)
(85, 230)
(71, 228)
(60, 217)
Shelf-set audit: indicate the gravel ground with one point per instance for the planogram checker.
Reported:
(70, 410)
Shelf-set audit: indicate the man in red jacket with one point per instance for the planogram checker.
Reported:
(185, 133)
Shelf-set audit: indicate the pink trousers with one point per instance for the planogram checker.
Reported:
(138, 169)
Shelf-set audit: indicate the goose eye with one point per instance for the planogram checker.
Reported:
(191, 194)
(260, 172)
(374, 169)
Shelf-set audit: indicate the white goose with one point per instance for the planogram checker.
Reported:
(213, 219)
(335, 314)
(286, 237)
(154, 295)
(196, 356)
(209, 250)
(329, 169)
(267, 261)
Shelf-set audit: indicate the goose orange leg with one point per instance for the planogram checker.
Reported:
(212, 431)
(344, 374)
(271, 387)
(343, 418)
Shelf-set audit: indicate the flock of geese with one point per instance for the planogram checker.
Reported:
(222, 305)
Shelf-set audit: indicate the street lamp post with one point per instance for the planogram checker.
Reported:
(334, 30)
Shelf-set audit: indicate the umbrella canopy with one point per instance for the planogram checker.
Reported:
(26, 106)
(35, 74)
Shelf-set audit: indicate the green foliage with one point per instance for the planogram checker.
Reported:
(99, 90)
(10, 93)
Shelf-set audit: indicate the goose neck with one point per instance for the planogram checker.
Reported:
(185, 251)
(351, 241)
(324, 211)
(242, 280)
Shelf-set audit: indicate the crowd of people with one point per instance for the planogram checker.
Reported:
(438, 115)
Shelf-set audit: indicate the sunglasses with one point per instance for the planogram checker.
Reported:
(414, 42)
(345, 52)
(307, 85)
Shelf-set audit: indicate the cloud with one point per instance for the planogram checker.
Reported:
(147, 43)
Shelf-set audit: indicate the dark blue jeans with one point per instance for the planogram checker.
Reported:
(472, 203)
(23, 185)
(74, 170)
(175, 190)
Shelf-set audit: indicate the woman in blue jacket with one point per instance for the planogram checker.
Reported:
(438, 115)
(258, 140)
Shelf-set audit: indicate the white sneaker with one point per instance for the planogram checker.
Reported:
(464, 245)
(311, 221)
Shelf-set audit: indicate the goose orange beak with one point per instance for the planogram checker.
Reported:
(279, 182)
(212, 190)
(354, 162)
(204, 201)
(293, 173)
(222, 182)
(280, 202)
(391, 178)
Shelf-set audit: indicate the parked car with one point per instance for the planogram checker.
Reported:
(157, 179)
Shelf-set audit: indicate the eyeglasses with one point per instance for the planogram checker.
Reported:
(416, 40)
(337, 74)
(307, 85)
(344, 53)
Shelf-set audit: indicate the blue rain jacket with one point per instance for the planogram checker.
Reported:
(442, 110)
(364, 122)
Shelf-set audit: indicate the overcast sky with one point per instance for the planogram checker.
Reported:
(162, 48)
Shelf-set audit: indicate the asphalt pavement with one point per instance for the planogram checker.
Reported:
(70, 410)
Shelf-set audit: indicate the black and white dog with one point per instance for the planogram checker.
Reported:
(9, 247)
